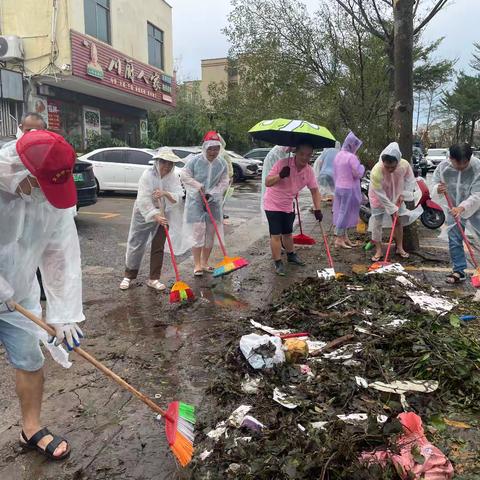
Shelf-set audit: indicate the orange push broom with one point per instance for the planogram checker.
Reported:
(179, 417)
(476, 275)
(301, 238)
(180, 292)
(228, 264)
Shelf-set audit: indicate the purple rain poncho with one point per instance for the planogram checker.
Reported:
(347, 172)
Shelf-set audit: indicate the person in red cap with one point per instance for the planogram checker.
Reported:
(37, 192)
(206, 172)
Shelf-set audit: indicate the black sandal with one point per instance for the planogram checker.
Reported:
(32, 444)
(455, 278)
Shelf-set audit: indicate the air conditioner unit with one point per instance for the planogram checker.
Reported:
(11, 47)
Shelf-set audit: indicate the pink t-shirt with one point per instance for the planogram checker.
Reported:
(279, 198)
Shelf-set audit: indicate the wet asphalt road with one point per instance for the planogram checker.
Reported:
(159, 348)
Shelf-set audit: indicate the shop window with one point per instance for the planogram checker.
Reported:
(155, 46)
(97, 19)
(138, 158)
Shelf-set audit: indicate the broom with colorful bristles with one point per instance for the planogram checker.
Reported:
(179, 417)
(301, 238)
(180, 292)
(228, 264)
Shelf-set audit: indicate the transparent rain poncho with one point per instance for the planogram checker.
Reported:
(273, 156)
(198, 230)
(34, 234)
(386, 188)
(323, 168)
(143, 227)
(463, 189)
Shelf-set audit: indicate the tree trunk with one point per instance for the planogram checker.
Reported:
(403, 13)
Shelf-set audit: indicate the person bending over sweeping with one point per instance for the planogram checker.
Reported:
(38, 230)
(459, 177)
(207, 173)
(392, 182)
(158, 205)
(284, 182)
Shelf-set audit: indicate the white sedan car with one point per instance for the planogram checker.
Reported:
(120, 168)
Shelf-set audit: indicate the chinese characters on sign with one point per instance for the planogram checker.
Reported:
(54, 115)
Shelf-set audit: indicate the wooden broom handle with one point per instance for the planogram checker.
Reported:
(97, 364)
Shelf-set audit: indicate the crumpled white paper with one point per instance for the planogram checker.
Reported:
(249, 344)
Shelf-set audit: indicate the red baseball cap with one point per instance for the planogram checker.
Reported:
(50, 159)
(211, 136)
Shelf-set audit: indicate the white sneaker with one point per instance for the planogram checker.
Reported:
(156, 285)
(125, 284)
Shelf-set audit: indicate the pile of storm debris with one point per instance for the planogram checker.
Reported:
(369, 377)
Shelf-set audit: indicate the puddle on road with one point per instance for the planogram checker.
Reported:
(222, 299)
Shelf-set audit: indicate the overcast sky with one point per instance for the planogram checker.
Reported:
(197, 32)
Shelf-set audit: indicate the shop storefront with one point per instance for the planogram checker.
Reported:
(107, 94)
(11, 101)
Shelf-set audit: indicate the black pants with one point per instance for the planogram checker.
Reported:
(280, 223)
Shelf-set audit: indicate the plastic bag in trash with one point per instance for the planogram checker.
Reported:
(418, 458)
(262, 351)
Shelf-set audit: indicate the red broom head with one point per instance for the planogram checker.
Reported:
(181, 292)
(302, 239)
(476, 279)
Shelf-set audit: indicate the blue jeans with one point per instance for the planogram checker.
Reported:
(23, 348)
(457, 252)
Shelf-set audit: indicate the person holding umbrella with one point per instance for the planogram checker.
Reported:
(284, 182)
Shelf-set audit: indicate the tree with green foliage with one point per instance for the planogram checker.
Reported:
(463, 102)
(187, 123)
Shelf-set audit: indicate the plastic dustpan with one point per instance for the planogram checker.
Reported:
(327, 274)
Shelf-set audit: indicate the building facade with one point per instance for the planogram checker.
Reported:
(92, 67)
(214, 71)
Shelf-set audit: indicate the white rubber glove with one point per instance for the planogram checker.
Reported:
(68, 333)
(6, 294)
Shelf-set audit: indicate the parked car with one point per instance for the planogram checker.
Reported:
(257, 154)
(84, 179)
(120, 168)
(435, 156)
(243, 168)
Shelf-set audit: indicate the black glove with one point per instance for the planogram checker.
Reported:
(318, 215)
(285, 172)
(208, 197)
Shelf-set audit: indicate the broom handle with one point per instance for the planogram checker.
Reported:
(392, 233)
(298, 213)
(97, 364)
(172, 254)
(222, 246)
(327, 248)
(459, 225)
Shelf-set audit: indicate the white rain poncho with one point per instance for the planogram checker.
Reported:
(323, 168)
(464, 190)
(143, 227)
(273, 156)
(198, 230)
(34, 234)
(386, 188)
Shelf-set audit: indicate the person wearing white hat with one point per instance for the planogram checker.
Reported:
(158, 206)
